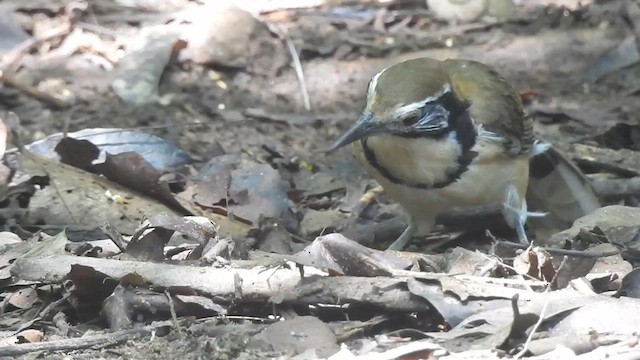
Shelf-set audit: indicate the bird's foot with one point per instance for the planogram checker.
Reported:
(516, 213)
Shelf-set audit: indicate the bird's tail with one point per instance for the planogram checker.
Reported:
(559, 188)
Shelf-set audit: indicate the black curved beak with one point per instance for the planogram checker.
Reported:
(364, 127)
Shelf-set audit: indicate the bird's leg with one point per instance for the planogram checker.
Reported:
(404, 238)
(515, 212)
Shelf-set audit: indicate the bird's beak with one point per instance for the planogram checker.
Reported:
(365, 126)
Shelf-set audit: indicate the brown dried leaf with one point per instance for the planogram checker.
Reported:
(535, 262)
(24, 298)
(242, 189)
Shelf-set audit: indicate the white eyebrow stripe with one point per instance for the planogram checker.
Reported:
(409, 108)
(419, 104)
(373, 83)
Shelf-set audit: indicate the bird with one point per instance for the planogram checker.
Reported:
(457, 10)
(465, 11)
(451, 134)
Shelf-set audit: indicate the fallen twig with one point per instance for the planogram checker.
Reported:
(41, 96)
(541, 316)
(556, 251)
(10, 64)
(506, 266)
(97, 341)
(12, 60)
(174, 316)
(297, 66)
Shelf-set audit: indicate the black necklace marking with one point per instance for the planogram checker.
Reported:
(466, 135)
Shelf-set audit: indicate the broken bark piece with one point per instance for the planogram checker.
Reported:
(623, 162)
(617, 189)
(618, 224)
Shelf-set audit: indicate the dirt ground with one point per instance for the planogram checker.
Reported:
(557, 54)
(548, 54)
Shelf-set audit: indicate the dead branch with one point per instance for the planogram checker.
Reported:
(258, 284)
(616, 189)
(277, 284)
(47, 99)
(97, 341)
(12, 60)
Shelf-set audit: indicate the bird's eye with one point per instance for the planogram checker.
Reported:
(411, 118)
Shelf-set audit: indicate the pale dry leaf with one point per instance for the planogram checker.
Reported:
(76, 198)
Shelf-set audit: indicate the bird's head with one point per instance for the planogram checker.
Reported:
(414, 98)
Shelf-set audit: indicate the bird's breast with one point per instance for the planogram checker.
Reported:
(430, 160)
(415, 162)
